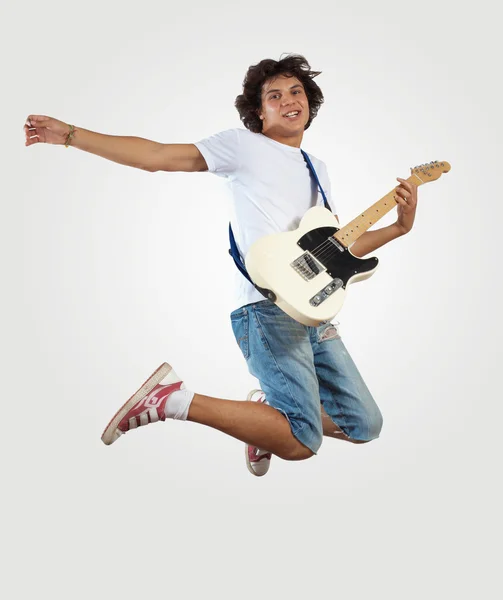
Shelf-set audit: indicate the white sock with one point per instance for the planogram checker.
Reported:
(177, 406)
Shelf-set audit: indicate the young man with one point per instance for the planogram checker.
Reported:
(310, 385)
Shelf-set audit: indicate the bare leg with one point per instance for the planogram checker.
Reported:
(251, 422)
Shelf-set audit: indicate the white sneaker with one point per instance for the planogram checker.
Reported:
(257, 460)
(146, 405)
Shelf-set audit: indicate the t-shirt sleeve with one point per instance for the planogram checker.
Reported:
(221, 152)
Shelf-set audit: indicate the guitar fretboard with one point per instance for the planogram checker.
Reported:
(353, 230)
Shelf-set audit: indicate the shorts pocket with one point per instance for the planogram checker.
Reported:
(239, 322)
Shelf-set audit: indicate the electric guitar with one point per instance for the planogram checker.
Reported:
(306, 271)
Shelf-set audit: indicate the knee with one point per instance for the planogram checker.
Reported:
(310, 434)
(374, 426)
(296, 452)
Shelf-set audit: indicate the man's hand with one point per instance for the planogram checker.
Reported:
(406, 196)
(42, 129)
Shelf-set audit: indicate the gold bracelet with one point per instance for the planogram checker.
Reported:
(70, 135)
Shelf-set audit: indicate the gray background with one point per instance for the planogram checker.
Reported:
(100, 286)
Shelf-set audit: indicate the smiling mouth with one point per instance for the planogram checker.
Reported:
(293, 114)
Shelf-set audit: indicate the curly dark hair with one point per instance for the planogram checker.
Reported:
(249, 103)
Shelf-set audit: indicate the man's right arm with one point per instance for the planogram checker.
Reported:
(140, 153)
(178, 157)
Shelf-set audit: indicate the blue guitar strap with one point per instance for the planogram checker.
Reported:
(313, 173)
(233, 251)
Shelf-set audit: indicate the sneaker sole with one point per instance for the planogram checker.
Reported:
(248, 464)
(108, 434)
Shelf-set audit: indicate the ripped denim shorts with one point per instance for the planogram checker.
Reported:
(299, 367)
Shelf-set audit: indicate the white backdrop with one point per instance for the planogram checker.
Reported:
(109, 271)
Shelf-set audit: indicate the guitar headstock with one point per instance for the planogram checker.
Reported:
(430, 171)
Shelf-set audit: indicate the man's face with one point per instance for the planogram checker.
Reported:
(281, 96)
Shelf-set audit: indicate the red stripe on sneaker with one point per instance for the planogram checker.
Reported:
(156, 399)
(254, 458)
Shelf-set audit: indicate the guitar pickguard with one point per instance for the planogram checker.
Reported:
(337, 260)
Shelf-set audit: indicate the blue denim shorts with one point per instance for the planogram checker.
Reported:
(299, 367)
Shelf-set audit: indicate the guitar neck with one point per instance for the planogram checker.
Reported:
(353, 230)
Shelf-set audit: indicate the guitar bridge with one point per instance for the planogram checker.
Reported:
(307, 266)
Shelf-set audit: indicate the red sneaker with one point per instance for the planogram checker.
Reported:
(257, 460)
(146, 405)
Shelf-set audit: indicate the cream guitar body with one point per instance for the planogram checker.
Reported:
(306, 272)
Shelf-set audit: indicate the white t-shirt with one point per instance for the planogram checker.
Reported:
(271, 190)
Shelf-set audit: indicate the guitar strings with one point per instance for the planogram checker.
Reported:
(321, 253)
(325, 250)
(326, 243)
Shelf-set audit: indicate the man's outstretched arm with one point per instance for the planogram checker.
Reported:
(130, 151)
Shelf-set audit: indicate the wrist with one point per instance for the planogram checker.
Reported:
(70, 135)
(399, 229)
